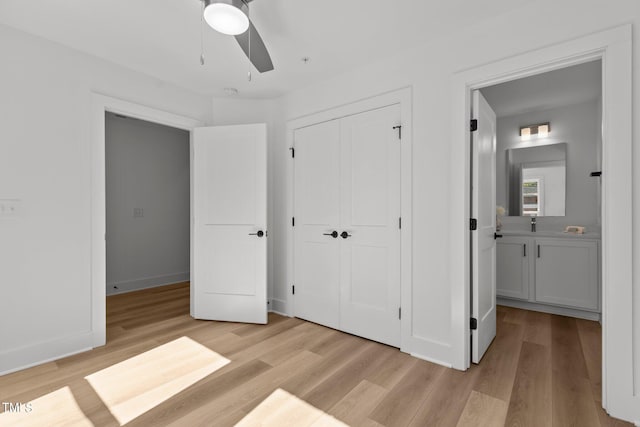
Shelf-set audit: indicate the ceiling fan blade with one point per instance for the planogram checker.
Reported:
(259, 55)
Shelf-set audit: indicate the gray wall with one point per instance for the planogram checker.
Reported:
(578, 126)
(147, 167)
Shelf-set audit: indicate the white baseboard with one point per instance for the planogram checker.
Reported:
(43, 352)
(279, 306)
(551, 309)
(429, 359)
(125, 286)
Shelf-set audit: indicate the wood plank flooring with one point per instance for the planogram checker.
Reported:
(542, 370)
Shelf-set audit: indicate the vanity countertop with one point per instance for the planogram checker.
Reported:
(550, 233)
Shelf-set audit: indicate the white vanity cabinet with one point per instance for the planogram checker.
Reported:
(567, 273)
(555, 274)
(513, 269)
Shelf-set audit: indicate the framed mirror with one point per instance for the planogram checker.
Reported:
(536, 180)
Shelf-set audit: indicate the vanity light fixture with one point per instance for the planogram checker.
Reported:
(542, 130)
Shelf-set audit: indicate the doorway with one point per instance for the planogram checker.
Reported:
(215, 146)
(613, 47)
(538, 143)
(147, 204)
(102, 104)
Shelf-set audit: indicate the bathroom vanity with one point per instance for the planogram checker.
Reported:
(553, 272)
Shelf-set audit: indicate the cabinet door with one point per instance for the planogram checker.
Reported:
(512, 279)
(567, 273)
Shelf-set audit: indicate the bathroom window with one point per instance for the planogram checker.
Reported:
(532, 197)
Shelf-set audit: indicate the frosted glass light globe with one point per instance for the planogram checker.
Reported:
(226, 18)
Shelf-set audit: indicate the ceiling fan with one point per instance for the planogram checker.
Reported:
(231, 17)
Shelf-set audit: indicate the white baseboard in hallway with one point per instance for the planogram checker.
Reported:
(124, 286)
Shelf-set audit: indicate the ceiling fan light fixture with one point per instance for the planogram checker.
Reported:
(226, 16)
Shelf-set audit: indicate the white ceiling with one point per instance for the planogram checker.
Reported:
(161, 38)
(567, 86)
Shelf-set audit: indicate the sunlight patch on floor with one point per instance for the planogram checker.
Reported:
(136, 385)
(58, 408)
(282, 409)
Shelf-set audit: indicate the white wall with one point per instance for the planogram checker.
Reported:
(45, 252)
(428, 70)
(576, 125)
(147, 167)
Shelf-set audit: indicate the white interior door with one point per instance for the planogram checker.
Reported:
(483, 207)
(370, 215)
(317, 216)
(230, 217)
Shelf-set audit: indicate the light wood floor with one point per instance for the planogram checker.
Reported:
(542, 370)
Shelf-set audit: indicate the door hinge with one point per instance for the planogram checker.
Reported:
(293, 289)
(473, 125)
(399, 312)
(473, 224)
(399, 127)
(400, 223)
(293, 221)
(293, 152)
(473, 324)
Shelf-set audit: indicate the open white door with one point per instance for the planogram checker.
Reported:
(483, 209)
(230, 216)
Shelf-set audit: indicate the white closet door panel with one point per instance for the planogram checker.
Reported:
(369, 213)
(370, 276)
(316, 193)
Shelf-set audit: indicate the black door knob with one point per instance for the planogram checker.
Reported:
(344, 235)
(497, 236)
(333, 234)
(260, 233)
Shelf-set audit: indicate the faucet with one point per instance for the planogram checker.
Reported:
(533, 224)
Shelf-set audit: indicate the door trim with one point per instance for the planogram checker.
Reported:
(403, 97)
(614, 48)
(100, 104)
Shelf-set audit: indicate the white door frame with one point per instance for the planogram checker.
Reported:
(613, 47)
(99, 105)
(403, 97)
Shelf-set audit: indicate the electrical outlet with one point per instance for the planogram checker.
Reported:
(9, 207)
(138, 212)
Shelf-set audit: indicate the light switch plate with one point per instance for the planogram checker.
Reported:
(9, 207)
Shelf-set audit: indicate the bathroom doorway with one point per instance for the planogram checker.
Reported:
(613, 48)
(536, 146)
(536, 161)
(548, 149)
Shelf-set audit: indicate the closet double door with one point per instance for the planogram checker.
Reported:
(347, 224)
